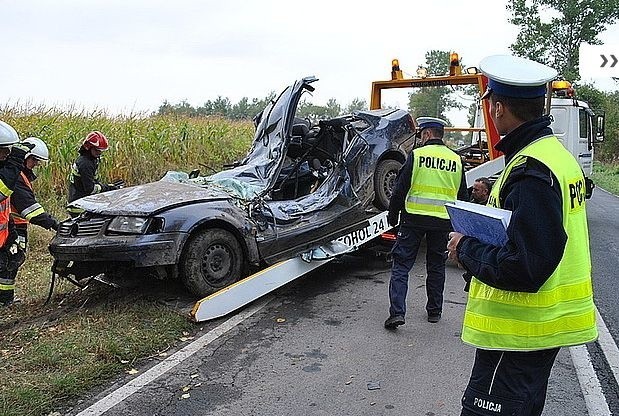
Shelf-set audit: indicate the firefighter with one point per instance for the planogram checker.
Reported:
(83, 178)
(12, 154)
(533, 295)
(24, 206)
(431, 176)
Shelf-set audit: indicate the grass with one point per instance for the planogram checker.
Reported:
(50, 355)
(59, 356)
(606, 176)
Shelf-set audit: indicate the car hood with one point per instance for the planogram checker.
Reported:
(150, 198)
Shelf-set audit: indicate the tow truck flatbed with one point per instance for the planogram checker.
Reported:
(244, 291)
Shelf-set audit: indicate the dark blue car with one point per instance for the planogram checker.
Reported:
(301, 184)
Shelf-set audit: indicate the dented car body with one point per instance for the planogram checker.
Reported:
(299, 185)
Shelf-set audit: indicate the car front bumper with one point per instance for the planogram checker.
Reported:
(87, 246)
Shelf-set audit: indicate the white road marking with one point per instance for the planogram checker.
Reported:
(169, 363)
(589, 383)
(609, 348)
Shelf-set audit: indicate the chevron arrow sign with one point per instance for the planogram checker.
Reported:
(599, 61)
(613, 59)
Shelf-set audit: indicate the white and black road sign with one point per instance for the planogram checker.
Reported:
(599, 61)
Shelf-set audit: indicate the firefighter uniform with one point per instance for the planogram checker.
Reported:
(533, 295)
(431, 176)
(25, 208)
(11, 256)
(83, 178)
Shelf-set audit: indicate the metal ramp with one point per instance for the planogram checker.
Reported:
(259, 284)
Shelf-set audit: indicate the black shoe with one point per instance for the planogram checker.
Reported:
(434, 318)
(394, 321)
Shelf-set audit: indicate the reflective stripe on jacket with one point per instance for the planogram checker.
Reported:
(83, 179)
(437, 173)
(5, 212)
(562, 312)
(26, 214)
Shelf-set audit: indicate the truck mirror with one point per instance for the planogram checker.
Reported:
(599, 127)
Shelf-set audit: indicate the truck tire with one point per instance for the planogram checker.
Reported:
(212, 259)
(384, 181)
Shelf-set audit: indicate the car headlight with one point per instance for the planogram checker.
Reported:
(128, 225)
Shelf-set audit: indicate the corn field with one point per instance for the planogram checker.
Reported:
(142, 148)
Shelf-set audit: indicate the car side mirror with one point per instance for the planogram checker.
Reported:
(194, 173)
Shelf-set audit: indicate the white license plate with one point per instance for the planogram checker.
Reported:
(375, 227)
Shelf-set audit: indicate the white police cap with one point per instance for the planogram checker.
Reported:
(427, 122)
(513, 76)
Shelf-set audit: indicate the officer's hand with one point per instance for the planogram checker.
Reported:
(55, 225)
(452, 245)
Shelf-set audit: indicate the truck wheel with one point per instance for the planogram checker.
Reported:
(212, 260)
(384, 181)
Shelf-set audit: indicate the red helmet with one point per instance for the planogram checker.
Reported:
(97, 140)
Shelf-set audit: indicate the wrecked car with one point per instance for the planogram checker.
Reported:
(301, 184)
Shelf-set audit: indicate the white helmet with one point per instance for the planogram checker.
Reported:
(8, 135)
(39, 150)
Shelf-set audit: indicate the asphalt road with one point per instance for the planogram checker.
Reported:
(318, 347)
(603, 215)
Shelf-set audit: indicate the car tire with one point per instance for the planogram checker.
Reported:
(212, 260)
(384, 182)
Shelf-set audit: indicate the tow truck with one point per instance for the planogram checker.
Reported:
(576, 125)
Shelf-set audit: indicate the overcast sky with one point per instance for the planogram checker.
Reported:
(131, 55)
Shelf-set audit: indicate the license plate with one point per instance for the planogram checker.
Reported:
(374, 227)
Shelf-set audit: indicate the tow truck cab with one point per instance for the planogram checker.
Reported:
(576, 125)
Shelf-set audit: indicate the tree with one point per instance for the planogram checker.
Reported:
(357, 104)
(551, 31)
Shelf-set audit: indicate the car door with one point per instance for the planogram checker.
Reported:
(327, 212)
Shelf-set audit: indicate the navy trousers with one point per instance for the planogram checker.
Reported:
(404, 253)
(508, 383)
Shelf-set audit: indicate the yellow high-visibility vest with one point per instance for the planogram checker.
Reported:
(437, 173)
(562, 312)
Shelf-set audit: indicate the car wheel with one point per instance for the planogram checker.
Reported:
(212, 260)
(384, 182)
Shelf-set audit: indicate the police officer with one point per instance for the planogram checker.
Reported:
(83, 179)
(12, 154)
(431, 176)
(533, 295)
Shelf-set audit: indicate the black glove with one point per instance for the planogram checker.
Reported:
(54, 225)
(18, 153)
(118, 183)
(467, 279)
(393, 218)
(108, 187)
